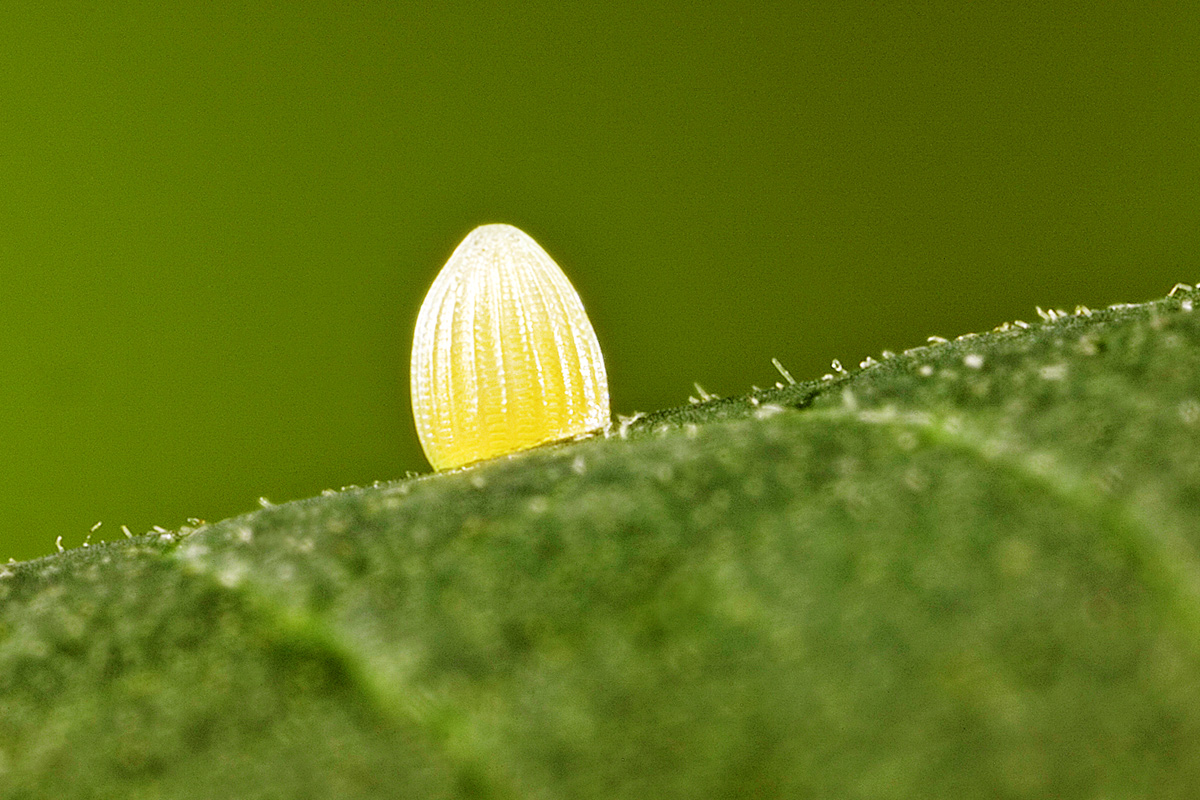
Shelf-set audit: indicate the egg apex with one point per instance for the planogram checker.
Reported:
(504, 357)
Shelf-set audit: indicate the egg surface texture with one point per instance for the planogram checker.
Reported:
(504, 357)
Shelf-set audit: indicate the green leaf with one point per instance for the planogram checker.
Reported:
(969, 570)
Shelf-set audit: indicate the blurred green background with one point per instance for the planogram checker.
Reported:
(218, 221)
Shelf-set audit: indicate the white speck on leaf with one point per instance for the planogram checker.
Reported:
(231, 574)
(1189, 411)
(1053, 372)
(768, 410)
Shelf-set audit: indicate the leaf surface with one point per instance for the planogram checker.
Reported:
(969, 570)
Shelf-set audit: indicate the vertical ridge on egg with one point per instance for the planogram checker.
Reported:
(504, 357)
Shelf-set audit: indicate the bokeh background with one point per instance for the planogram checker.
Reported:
(218, 220)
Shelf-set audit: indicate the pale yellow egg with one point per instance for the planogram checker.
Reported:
(504, 357)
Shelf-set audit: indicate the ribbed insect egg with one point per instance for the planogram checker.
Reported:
(504, 357)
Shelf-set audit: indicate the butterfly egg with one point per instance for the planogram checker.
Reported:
(504, 357)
